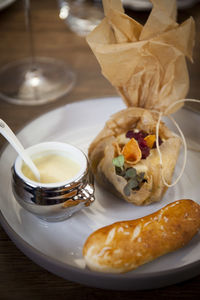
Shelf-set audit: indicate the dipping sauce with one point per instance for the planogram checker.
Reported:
(53, 168)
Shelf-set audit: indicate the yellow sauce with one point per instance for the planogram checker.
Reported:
(53, 168)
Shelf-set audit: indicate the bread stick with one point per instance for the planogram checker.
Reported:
(124, 246)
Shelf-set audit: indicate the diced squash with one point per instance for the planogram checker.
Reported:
(150, 140)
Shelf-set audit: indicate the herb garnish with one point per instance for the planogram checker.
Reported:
(133, 179)
(118, 161)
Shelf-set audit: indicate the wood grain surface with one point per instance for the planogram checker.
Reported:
(20, 278)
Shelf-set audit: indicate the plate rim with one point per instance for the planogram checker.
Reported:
(177, 275)
(69, 272)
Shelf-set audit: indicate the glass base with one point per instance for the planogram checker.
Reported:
(31, 83)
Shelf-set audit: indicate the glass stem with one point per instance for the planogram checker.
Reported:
(28, 23)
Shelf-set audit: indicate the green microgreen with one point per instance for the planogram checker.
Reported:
(133, 178)
(120, 171)
(132, 184)
(130, 173)
(118, 161)
(134, 181)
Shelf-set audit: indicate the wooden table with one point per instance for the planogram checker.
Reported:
(20, 278)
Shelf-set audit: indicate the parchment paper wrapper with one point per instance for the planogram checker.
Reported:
(102, 151)
(146, 64)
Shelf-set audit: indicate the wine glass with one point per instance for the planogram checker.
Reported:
(34, 80)
(82, 16)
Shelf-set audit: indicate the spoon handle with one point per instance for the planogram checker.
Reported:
(12, 139)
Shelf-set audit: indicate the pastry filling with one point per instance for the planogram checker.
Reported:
(131, 148)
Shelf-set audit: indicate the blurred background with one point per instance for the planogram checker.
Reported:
(56, 29)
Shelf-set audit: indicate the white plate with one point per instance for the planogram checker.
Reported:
(58, 246)
(5, 3)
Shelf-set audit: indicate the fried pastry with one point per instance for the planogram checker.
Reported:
(126, 245)
(124, 158)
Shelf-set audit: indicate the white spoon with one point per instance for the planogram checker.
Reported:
(12, 139)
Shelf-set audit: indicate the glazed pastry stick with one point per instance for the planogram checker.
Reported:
(124, 246)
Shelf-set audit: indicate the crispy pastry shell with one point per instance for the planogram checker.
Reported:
(102, 151)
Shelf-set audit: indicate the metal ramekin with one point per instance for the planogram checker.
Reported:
(54, 202)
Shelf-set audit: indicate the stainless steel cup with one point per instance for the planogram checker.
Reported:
(54, 201)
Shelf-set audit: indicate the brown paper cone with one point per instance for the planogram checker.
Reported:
(146, 64)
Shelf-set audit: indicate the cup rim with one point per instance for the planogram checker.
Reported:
(56, 146)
